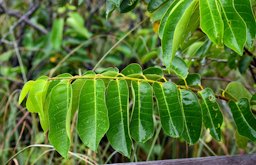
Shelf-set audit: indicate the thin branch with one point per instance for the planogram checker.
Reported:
(21, 19)
(117, 43)
(26, 20)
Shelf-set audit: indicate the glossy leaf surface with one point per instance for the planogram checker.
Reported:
(173, 33)
(244, 119)
(211, 20)
(234, 27)
(117, 99)
(193, 116)
(169, 106)
(179, 67)
(142, 126)
(244, 8)
(212, 115)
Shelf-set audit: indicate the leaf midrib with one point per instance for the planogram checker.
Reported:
(167, 106)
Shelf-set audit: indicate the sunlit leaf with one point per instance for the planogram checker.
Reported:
(60, 117)
(93, 120)
(35, 101)
(117, 99)
(25, 90)
(211, 21)
(174, 28)
(234, 27)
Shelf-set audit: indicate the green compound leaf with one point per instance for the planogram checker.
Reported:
(117, 99)
(25, 90)
(244, 8)
(169, 106)
(244, 119)
(193, 116)
(60, 117)
(93, 120)
(142, 125)
(212, 115)
(175, 27)
(234, 27)
(35, 101)
(211, 21)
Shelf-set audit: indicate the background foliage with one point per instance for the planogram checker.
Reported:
(52, 37)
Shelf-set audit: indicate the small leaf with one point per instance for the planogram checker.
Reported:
(60, 117)
(147, 57)
(235, 28)
(132, 70)
(193, 79)
(35, 101)
(194, 48)
(142, 125)
(193, 116)
(211, 21)
(25, 90)
(244, 64)
(113, 72)
(127, 5)
(93, 120)
(179, 67)
(244, 8)
(76, 21)
(169, 106)
(212, 115)
(118, 112)
(154, 4)
(236, 91)
(153, 73)
(244, 119)
(57, 33)
(174, 28)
